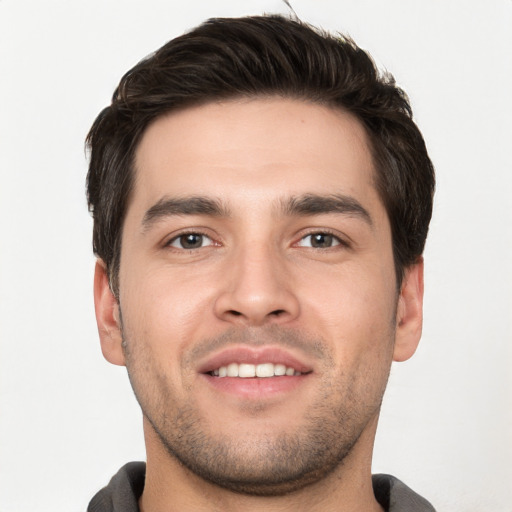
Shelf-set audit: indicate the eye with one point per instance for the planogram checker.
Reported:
(319, 241)
(190, 241)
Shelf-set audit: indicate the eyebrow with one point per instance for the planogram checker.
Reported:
(304, 205)
(175, 206)
(314, 204)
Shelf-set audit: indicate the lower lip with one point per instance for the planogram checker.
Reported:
(256, 387)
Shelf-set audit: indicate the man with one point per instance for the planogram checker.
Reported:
(261, 199)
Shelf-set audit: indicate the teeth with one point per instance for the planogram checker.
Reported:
(265, 370)
(279, 369)
(245, 370)
(231, 370)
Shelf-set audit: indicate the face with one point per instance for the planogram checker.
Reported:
(258, 305)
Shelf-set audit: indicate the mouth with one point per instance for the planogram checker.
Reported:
(255, 372)
(254, 362)
(248, 371)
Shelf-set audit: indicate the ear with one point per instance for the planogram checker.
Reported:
(409, 316)
(107, 317)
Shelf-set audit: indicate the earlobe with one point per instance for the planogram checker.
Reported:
(107, 317)
(409, 318)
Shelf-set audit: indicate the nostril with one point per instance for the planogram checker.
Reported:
(277, 312)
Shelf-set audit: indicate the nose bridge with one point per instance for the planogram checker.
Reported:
(258, 289)
(257, 272)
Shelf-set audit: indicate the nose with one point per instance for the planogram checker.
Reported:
(257, 290)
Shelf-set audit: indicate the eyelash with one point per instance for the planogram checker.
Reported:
(324, 232)
(176, 238)
(340, 242)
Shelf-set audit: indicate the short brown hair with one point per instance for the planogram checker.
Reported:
(259, 56)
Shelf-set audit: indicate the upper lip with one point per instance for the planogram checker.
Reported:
(253, 355)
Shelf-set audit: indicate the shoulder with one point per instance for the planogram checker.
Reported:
(395, 496)
(122, 492)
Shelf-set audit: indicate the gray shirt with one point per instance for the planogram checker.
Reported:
(124, 490)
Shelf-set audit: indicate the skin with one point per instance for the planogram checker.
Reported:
(257, 281)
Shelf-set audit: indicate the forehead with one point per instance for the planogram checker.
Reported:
(251, 149)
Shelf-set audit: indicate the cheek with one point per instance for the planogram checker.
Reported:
(168, 309)
(154, 327)
(354, 309)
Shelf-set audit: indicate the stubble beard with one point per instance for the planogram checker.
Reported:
(270, 464)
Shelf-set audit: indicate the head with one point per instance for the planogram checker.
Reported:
(261, 198)
(257, 57)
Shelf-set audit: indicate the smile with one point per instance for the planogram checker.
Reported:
(266, 373)
(246, 371)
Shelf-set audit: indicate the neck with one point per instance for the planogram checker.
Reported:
(172, 487)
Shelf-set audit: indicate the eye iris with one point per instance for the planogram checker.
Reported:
(321, 240)
(191, 241)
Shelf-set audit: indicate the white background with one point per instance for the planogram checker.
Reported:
(68, 420)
